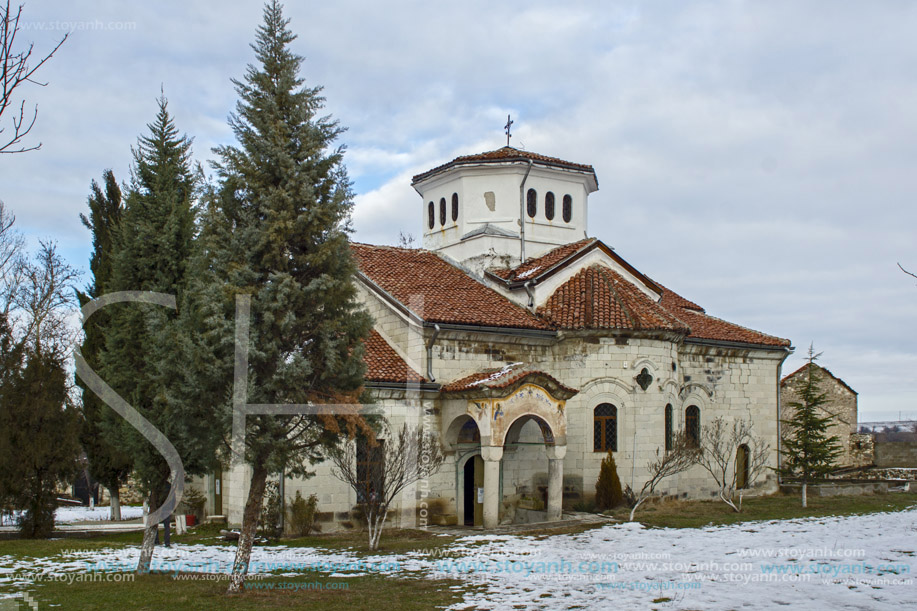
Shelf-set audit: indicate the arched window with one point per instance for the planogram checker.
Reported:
(742, 467)
(454, 207)
(669, 430)
(431, 213)
(568, 208)
(442, 211)
(692, 425)
(549, 206)
(532, 203)
(605, 428)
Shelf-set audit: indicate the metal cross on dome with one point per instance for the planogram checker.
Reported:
(509, 124)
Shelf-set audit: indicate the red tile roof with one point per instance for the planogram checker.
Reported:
(502, 378)
(600, 298)
(539, 265)
(384, 365)
(438, 291)
(704, 326)
(595, 298)
(505, 154)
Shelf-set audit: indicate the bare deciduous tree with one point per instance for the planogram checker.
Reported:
(401, 460)
(912, 274)
(719, 456)
(16, 71)
(679, 459)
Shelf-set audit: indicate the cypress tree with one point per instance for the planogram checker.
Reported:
(277, 229)
(608, 493)
(152, 251)
(100, 426)
(809, 452)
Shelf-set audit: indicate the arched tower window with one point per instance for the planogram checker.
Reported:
(568, 208)
(442, 211)
(532, 203)
(605, 428)
(692, 425)
(669, 429)
(549, 206)
(431, 215)
(454, 207)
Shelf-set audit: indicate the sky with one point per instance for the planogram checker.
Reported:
(756, 157)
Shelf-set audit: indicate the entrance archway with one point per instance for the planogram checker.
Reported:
(473, 491)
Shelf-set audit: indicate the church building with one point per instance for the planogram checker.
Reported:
(531, 350)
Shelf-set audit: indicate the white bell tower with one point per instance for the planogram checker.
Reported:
(473, 205)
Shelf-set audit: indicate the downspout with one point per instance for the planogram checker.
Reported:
(430, 343)
(780, 413)
(522, 212)
(530, 289)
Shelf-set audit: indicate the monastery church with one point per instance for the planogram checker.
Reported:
(532, 350)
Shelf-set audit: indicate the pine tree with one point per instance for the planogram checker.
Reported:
(277, 228)
(809, 452)
(608, 493)
(100, 426)
(152, 251)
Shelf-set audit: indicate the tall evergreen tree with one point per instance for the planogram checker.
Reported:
(152, 250)
(809, 453)
(277, 228)
(100, 426)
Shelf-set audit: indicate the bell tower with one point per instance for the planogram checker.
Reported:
(506, 204)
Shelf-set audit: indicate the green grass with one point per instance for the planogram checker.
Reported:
(695, 514)
(394, 541)
(164, 592)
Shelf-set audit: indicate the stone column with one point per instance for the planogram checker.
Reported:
(492, 456)
(556, 455)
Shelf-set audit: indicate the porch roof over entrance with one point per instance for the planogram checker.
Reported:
(505, 381)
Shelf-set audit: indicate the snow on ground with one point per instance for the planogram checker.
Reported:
(69, 515)
(855, 562)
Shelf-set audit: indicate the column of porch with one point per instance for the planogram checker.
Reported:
(556, 455)
(492, 455)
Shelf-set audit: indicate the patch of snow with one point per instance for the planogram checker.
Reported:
(68, 515)
(528, 273)
(497, 374)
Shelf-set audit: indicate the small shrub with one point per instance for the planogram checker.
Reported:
(630, 499)
(193, 502)
(302, 514)
(585, 506)
(608, 494)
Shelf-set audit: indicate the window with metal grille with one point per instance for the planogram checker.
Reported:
(455, 206)
(568, 208)
(442, 211)
(370, 464)
(692, 425)
(605, 428)
(431, 214)
(532, 203)
(549, 206)
(669, 431)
